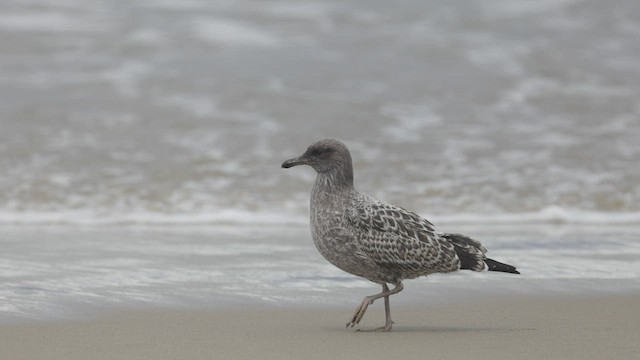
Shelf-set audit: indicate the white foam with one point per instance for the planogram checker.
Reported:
(511, 9)
(48, 22)
(410, 121)
(147, 36)
(90, 217)
(177, 5)
(310, 13)
(484, 51)
(298, 10)
(200, 106)
(548, 215)
(232, 33)
(126, 77)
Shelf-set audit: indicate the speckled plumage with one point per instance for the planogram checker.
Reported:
(376, 240)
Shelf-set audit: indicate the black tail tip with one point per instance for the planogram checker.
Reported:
(493, 265)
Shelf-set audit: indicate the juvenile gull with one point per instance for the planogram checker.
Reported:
(375, 240)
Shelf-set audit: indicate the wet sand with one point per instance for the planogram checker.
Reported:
(517, 328)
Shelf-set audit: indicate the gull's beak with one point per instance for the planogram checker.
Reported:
(300, 160)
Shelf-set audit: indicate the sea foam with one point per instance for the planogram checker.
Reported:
(551, 215)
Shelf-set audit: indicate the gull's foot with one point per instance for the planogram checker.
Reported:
(359, 314)
(385, 328)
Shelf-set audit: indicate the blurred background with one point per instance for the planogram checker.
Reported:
(159, 113)
(182, 111)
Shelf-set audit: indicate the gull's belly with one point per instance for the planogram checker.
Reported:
(338, 246)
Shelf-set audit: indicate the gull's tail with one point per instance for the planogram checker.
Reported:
(472, 255)
(493, 265)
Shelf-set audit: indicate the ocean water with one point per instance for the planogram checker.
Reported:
(165, 123)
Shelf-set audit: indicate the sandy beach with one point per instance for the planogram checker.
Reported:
(517, 328)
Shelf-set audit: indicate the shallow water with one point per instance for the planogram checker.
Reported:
(60, 271)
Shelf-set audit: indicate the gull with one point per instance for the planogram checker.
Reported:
(383, 243)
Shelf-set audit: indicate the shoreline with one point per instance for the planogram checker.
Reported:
(417, 295)
(522, 327)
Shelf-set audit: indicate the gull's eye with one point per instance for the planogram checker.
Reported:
(317, 151)
(326, 152)
(321, 152)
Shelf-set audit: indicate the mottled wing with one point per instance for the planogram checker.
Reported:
(400, 240)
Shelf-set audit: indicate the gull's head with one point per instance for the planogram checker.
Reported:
(324, 155)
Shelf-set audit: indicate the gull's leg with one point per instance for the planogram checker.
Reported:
(357, 316)
(387, 312)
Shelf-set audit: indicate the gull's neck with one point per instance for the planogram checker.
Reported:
(335, 181)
